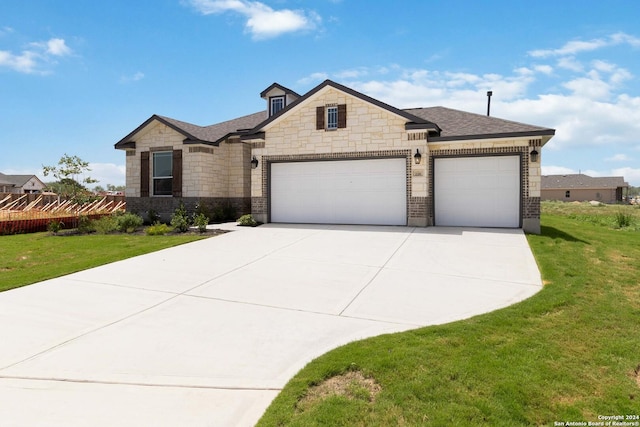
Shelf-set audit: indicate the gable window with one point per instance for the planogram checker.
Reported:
(276, 104)
(331, 117)
(567, 194)
(163, 173)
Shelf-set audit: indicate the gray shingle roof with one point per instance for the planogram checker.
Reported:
(576, 181)
(456, 124)
(212, 134)
(444, 124)
(17, 180)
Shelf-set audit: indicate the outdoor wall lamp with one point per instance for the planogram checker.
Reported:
(534, 156)
(254, 162)
(417, 158)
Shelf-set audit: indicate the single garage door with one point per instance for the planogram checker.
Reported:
(477, 191)
(340, 192)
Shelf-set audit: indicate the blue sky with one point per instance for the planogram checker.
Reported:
(76, 76)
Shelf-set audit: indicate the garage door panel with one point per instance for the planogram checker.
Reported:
(339, 192)
(477, 191)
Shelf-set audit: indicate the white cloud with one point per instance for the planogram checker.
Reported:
(132, 78)
(618, 158)
(575, 47)
(58, 47)
(544, 69)
(107, 173)
(570, 63)
(631, 175)
(313, 78)
(36, 57)
(570, 48)
(262, 21)
(24, 62)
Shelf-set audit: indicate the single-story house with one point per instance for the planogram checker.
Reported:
(20, 184)
(581, 187)
(335, 155)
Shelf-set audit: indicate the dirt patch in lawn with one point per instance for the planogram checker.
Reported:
(352, 385)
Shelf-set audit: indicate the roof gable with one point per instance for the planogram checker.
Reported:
(413, 121)
(286, 90)
(194, 134)
(17, 180)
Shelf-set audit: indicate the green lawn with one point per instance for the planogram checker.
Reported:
(570, 353)
(30, 258)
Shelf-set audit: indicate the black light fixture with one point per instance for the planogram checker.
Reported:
(254, 162)
(417, 158)
(534, 156)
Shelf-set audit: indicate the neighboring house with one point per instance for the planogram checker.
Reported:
(580, 187)
(334, 155)
(20, 184)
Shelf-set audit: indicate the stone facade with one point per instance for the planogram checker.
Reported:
(216, 176)
(371, 132)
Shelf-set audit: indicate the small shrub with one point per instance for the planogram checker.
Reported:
(201, 221)
(55, 226)
(152, 216)
(85, 224)
(217, 215)
(106, 224)
(180, 219)
(247, 221)
(622, 220)
(157, 229)
(201, 208)
(129, 222)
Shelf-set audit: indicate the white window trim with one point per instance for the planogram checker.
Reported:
(271, 104)
(153, 173)
(329, 110)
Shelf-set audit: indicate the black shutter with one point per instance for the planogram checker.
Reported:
(144, 174)
(319, 118)
(342, 116)
(177, 173)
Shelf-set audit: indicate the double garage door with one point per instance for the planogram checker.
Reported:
(340, 192)
(468, 191)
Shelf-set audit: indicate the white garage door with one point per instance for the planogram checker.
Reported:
(340, 192)
(477, 191)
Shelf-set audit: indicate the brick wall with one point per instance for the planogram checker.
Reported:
(165, 206)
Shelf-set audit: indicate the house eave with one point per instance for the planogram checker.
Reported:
(546, 132)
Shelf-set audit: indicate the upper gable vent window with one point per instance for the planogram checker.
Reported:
(331, 117)
(276, 104)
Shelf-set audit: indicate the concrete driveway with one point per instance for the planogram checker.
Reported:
(206, 334)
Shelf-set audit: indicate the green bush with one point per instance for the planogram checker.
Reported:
(85, 224)
(157, 229)
(55, 226)
(201, 221)
(622, 220)
(152, 216)
(180, 219)
(129, 222)
(106, 224)
(247, 221)
(201, 208)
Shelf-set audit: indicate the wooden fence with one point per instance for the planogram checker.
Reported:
(28, 213)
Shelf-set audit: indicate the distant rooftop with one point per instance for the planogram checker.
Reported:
(576, 181)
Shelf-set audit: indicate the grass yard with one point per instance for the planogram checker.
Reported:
(30, 258)
(568, 354)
